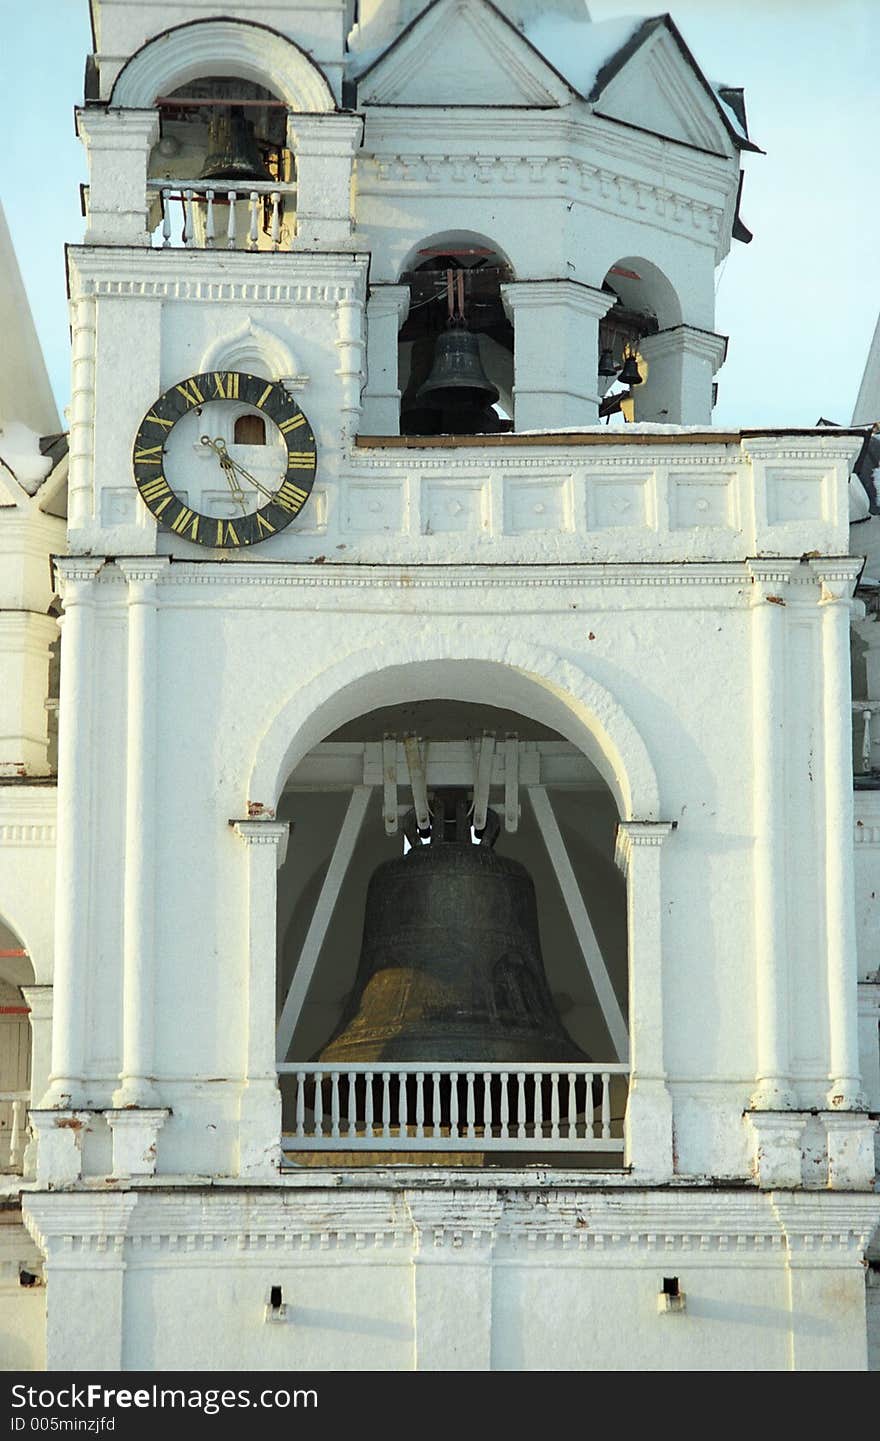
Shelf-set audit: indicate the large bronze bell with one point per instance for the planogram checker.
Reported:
(457, 379)
(233, 153)
(450, 967)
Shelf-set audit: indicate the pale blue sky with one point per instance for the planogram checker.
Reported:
(800, 303)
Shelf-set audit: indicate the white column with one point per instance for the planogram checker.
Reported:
(118, 143)
(260, 1111)
(80, 476)
(556, 351)
(77, 581)
(387, 309)
(837, 582)
(136, 1086)
(649, 1107)
(350, 347)
(681, 365)
(324, 147)
(773, 1059)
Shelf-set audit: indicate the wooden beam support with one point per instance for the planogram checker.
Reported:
(511, 784)
(321, 918)
(580, 920)
(415, 761)
(389, 784)
(483, 780)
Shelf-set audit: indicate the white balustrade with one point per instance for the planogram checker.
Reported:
(456, 1107)
(13, 1129)
(192, 213)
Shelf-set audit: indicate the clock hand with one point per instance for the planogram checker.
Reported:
(251, 479)
(219, 448)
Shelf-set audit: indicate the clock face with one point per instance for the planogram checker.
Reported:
(224, 459)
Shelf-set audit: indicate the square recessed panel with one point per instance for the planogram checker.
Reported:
(536, 505)
(119, 506)
(312, 519)
(374, 509)
(697, 501)
(620, 502)
(454, 505)
(220, 505)
(795, 496)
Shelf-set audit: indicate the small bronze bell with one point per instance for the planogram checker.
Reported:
(606, 363)
(630, 374)
(450, 966)
(232, 149)
(457, 379)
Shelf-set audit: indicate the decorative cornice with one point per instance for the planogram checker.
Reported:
(639, 833)
(21, 833)
(277, 277)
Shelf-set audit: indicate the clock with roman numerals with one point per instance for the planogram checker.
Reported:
(224, 459)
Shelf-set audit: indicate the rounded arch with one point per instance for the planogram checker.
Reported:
(203, 48)
(252, 348)
(515, 676)
(644, 287)
(453, 240)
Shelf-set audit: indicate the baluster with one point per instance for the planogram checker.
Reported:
(319, 1103)
(166, 218)
(300, 1103)
(232, 197)
(352, 1111)
(572, 1107)
(521, 1105)
(368, 1104)
(590, 1123)
(554, 1106)
(505, 1108)
(334, 1103)
(435, 1104)
(606, 1105)
(471, 1109)
(866, 741)
(487, 1105)
(538, 1127)
(453, 1104)
(420, 1103)
(276, 219)
(188, 228)
(386, 1103)
(401, 1104)
(253, 229)
(15, 1135)
(209, 220)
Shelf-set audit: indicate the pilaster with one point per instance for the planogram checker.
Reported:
(387, 309)
(556, 352)
(681, 363)
(260, 1110)
(118, 143)
(324, 146)
(649, 1107)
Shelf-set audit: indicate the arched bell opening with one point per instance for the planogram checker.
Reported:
(455, 348)
(15, 1049)
(348, 802)
(222, 174)
(645, 302)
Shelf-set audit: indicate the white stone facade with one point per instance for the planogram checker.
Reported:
(653, 622)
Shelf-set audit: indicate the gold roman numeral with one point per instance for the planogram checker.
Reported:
(294, 423)
(291, 498)
(191, 393)
(148, 455)
(265, 396)
(226, 533)
(186, 520)
(300, 460)
(263, 525)
(159, 420)
(226, 386)
(158, 494)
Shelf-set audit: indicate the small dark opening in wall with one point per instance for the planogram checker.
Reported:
(275, 1298)
(250, 430)
(670, 1286)
(27, 1278)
